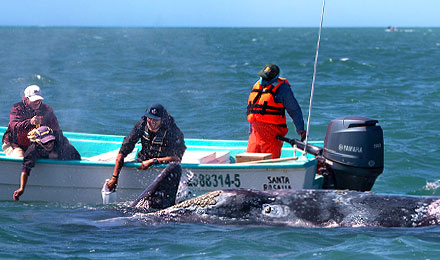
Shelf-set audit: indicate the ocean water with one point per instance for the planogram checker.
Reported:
(100, 80)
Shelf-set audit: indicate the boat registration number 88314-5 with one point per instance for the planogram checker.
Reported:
(215, 180)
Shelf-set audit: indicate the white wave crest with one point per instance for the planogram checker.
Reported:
(432, 185)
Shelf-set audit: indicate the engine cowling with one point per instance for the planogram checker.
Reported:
(353, 153)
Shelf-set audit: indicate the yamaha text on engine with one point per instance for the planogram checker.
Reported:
(353, 153)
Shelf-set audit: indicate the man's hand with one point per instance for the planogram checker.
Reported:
(17, 194)
(36, 120)
(302, 133)
(146, 164)
(112, 184)
(32, 135)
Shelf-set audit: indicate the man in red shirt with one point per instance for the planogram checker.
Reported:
(26, 115)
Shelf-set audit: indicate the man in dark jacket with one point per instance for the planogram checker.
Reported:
(162, 143)
(26, 115)
(46, 144)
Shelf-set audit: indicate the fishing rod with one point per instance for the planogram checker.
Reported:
(313, 81)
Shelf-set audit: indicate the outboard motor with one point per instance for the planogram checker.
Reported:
(353, 153)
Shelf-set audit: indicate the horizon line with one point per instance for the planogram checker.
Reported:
(215, 27)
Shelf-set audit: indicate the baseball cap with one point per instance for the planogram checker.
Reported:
(269, 72)
(156, 112)
(44, 134)
(33, 93)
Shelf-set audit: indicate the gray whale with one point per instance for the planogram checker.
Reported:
(301, 208)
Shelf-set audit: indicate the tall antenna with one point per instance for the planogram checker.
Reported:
(313, 79)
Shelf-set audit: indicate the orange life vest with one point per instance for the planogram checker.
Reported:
(262, 106)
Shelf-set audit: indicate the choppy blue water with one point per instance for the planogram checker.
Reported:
(100, 80)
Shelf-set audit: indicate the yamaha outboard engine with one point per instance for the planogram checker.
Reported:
(353, 153)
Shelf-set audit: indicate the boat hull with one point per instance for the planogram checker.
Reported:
(82, 181)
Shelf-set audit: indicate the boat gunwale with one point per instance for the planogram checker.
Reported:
(196, 144)
(287, 165)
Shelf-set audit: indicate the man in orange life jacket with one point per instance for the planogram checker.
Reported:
(26, 115)
(270, 97)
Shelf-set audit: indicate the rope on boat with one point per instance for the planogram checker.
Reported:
(313, 79)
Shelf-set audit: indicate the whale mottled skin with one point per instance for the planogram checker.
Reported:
(302, 208)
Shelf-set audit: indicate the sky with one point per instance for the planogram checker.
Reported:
(220, 13)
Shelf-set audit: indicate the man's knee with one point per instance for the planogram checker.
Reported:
(11, 151)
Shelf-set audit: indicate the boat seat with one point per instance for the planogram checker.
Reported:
(250, 157)
(190, 157)
(111, 156)
(202, 157)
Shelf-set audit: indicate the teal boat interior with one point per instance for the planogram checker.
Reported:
(91, 145)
